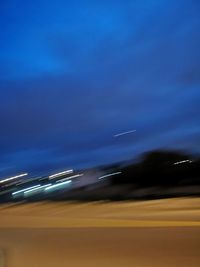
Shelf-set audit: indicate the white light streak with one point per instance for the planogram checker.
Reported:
(25, 189)
(36, 189)
(108, 175)
(60, 173)
(57, 185)
(14, 177)
(182, 161)
(123, 133)
(70, 177)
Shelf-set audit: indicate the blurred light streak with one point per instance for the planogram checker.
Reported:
(14, 177)
(36, 189)
(70, 177)
(25, 189)
(108, 175)
(182, 161)
(60, 173)
(57, 185)
(123, 133)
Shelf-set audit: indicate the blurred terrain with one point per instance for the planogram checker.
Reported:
(157, 174)
(128, 233)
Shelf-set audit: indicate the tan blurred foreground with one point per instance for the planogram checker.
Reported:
(151, 233)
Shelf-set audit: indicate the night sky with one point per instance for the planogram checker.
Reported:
(75, 73)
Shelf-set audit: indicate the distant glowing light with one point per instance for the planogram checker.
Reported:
(59, 174)
(70, 177)
(124, 133)
(12, 178)
(57, 185)
(108, 175)
(25, 189)
(182, 161)
(36, 189)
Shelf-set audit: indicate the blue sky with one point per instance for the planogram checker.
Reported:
(74, 73)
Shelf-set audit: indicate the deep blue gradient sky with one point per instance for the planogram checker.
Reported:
(74, 73)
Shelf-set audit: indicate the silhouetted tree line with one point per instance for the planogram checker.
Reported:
(161, 168)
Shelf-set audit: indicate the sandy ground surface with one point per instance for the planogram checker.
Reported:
(153, 233)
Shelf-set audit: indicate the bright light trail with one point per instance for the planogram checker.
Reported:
(25, 189)
(57, 185)
(70, 177)
(123, 133)
(60, 173)
(14, 177)
(111, 174)
(183, 161)
(36, 189)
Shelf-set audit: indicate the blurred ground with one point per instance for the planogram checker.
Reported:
(146, 233)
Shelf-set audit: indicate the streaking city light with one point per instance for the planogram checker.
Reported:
(13, 177)
(182, 161)
(110, 174)
(59, 174)
(25, 189)
(124, 133)
(55, 186)
(70, 177)
(34, 190)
